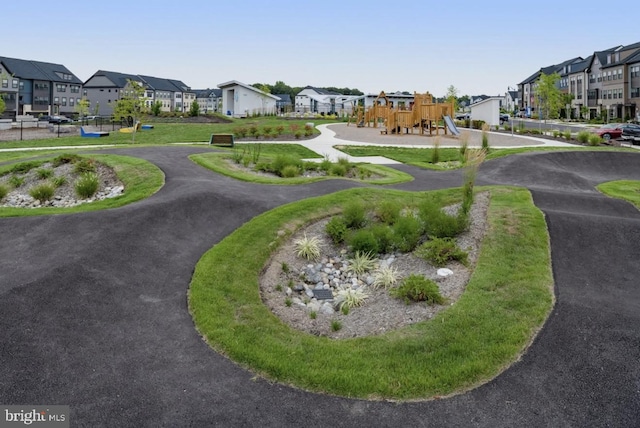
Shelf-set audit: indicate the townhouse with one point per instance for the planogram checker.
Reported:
(37, 88)
(605, 84)
(209, 100)
(104, 88)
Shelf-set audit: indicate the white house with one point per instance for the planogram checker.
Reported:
(487, 110)
(317, 100)
(242, 100)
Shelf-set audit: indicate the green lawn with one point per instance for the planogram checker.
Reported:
(422, 157)
(628, 190)
(506, 302)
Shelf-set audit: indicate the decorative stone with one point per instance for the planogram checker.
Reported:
(309, 292)
(327, 309)
(444, 272)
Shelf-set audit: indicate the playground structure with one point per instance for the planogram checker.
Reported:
(90, 134)
(423, 114)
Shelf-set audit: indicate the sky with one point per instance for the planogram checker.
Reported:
(479, 48)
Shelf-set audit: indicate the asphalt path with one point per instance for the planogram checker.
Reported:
(93, 308)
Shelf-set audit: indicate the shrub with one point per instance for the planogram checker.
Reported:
(363, 241)
(294, 127)
(3, 191)
(336, 229)
(42, 192)
(326, 164)
(84, 165)
(388, 211)
(385, 277)
(384, 237)
(485, 137)
(437, 223)
(308, 248)
(338, 170)
(364, 173)
(594, 140)
(361, 263)
(440, 251)
(567, 135)
(349, 297)
(583, 137)
(16, 181)
(282, 161)
(64, 158)
(279, 130)
(556, 133)
(267, 130)
(59, 180)
(25, 167)
(87, 185)
(44, 173)
(290, 171)
(354, 215)
(337, 325)
(407, 232)
(240, 131)
(254, 131)
(308, 130)
(417, 288)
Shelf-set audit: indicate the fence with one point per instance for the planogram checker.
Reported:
(33, 129)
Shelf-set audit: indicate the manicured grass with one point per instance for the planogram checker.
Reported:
(506, 302)
(421, 157)
(166, 133)
(629, 190)
(218, 162)
(140, 177)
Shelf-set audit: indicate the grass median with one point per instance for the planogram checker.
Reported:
(505, 303)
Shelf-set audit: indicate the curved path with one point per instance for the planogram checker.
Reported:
(93, 308)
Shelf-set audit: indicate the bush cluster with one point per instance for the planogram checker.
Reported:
(417, 288)
(389, 227)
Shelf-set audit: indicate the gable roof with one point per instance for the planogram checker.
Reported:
(244, 85)
(208, 93)
(285, 98)
(37, 70)
(119, 80)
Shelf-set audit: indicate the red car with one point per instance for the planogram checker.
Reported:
(610, 131)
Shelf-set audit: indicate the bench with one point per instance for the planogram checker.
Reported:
(222, 140)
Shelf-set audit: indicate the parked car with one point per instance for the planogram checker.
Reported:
(610, 131)
(463, 116)
(504, 117)
(631, 132)
(59, 119)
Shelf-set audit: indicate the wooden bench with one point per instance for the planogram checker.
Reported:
(222, 140)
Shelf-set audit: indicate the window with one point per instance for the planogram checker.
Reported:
(619, 74)
(21, 86)
(635, 92)
(592, 78)
(620, 93)
(75, 89)
(5, 83)
(635, 71)
(71, 102)
(599, 78)
(84, 93)
(64, 101)
(14, 83)
(61, 88)
(56, 100)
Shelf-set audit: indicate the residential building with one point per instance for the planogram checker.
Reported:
(316, 100)
(104, 88)
(209, 100)
(511, 101)
(242, 100)
(284, 104)
(38, 88)
(605, 84)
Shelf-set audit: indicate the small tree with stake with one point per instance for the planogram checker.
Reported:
(132, 104)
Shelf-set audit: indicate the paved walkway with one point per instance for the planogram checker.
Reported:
(332, 135)
(93, 310)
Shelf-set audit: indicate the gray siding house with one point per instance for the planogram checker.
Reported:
(38, 88)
